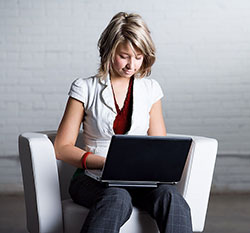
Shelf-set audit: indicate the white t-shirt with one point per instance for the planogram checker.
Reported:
(100, 112)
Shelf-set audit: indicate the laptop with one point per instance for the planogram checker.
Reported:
(143, 161)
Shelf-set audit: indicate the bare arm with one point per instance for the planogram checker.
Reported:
(156, 123)
(67, 133)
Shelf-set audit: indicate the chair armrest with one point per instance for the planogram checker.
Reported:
(195, 184)
(41, 184)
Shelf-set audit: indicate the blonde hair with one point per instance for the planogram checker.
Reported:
(129, 28)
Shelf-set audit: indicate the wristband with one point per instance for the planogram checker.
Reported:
(84, 158)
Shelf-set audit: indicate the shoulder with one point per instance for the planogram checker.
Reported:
(81, 87)
(79, 82)
(149, 83)
(85, 84)
(151, 88)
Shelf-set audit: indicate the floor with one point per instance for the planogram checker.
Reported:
(227, 213)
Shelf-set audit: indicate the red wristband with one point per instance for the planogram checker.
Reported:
(84, 158)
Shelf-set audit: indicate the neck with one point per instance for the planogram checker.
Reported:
(119, 79)
(120, 83)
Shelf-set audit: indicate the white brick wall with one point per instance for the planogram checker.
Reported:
(203, 64)
(232, 174)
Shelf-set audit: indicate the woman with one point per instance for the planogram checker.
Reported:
(118, 100)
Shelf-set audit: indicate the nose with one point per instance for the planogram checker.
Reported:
(130, 64)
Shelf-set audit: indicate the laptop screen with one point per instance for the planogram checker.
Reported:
(146, 158)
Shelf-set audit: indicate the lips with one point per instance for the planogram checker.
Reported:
(128, 72)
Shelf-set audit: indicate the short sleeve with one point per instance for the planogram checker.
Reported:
(156, 91)
(79, 90)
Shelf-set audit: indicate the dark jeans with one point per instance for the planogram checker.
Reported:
(111, 207)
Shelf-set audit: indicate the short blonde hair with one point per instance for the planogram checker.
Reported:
(129, 28)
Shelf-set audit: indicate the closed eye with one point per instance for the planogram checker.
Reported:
(139, 57)
(123, 56)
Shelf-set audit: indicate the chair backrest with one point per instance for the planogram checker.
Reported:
(65, 170)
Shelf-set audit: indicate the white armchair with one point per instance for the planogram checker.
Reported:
(50, 209)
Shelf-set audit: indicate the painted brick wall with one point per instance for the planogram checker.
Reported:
(203, 65)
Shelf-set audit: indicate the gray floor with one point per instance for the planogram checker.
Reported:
(226, 214)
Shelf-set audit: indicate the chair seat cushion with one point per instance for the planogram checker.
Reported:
(74, 216)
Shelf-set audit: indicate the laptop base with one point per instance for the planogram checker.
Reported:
(129, 184)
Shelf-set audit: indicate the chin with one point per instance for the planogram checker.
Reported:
(128, 75)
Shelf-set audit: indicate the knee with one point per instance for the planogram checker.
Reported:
(169, 194)
(118, 198)
(170, 204)
(165, 192)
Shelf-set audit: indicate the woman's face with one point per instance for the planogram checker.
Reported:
(127, 61)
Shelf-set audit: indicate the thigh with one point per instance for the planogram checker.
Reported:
(146, 198)
(167, 206)
(88, 192)
(85, 191)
